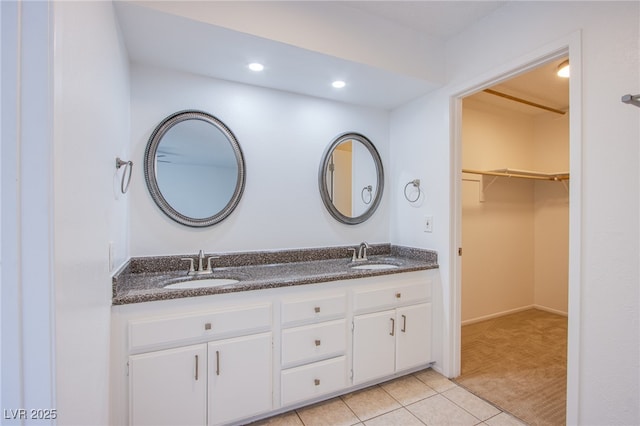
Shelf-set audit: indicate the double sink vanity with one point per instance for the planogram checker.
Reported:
(235, 337)
(267, 332)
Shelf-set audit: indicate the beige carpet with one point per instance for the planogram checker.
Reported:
(519, 363)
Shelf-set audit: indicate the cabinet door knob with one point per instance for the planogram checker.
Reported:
(404, 324)
(317, 382)
(393, 326)
(317, 342)
(207, 326)
(217, 363)
(317, 309)
(398, 295)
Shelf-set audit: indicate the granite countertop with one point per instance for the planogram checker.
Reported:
(143, 279)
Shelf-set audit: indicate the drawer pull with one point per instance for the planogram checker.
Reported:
(317, 309)
(404, 324)
(197, 367)
(217, 363)
(317, 382)
(317, 342)
(393, 326)
(398, 295)
(207, 326)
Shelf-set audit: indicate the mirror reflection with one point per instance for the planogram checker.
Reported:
(194, 168)
(351, 178)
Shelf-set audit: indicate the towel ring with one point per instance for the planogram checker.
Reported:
(128, 165)
(367, 188)
(416, 184)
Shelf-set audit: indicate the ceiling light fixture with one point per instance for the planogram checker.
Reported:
(256, 67)
(563, 69)
(338, 84)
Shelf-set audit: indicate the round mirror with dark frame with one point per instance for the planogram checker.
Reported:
(351, 178)
(194, 168)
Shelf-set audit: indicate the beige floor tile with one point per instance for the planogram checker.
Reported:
(435, 380)
(504, 419)
(370, 402)
(476, 406)
(439, 411)
(407, 389)
(287, 419)
(333, 412)
(400, 417)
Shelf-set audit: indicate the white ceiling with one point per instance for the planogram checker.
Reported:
(169, 41)
(540, 85)
(441, 19)
(161, 39)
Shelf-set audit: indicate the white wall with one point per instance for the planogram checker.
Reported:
(497, 232)
(604, 386)
(551, 216)
(91, 128)
(516, 239)
(282, 136)
(26, 293)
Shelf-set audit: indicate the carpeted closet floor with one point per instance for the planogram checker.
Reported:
(519, 363)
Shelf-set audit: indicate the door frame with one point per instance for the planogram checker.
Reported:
(571, 46)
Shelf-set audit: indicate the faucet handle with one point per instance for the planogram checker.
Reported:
(353, 258)
(190, 260)
(209, 267)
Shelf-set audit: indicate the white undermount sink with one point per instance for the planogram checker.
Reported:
(376, 266)
(210, 282)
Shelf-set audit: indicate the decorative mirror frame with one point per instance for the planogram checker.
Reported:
(150, 168)
(324, 167)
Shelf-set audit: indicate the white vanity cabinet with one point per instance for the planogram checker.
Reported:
(169, 387)
(240, 378)
(225, 378)
(314, 346)
(230, 359)
(393, 332)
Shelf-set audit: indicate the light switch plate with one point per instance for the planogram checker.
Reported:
(428, 224)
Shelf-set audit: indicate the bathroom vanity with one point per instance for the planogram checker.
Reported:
(298, 327)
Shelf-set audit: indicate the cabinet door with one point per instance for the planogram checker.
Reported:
(373, 345)
(169, 387)
(240, 378)
(413, 336)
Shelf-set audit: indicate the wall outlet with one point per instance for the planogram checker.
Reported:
(428, 224)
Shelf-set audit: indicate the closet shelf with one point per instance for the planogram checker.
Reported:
(523, 174)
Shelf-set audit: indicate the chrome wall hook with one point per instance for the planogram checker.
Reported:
(631, 99)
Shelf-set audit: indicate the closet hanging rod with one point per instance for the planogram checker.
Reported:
(541, 176)
(524, 101)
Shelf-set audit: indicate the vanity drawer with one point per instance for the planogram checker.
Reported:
(374, 298)
(156, 331)
(313, 380)
(314, 309)
(312, 342)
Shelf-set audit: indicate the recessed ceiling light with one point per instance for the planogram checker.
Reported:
(256, 66)
(563, 69)
(338, 84)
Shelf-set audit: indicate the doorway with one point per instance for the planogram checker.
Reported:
(515, 234)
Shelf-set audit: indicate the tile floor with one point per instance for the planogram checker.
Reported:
(422, 398)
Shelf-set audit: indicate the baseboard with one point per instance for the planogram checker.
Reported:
(513, 311)
(497, 314)
(551, 310)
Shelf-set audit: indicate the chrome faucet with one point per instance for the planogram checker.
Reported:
(202, 269)
(360, 254)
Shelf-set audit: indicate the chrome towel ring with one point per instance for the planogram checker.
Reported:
(368, 188)
(128, 168)
(416, 184)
